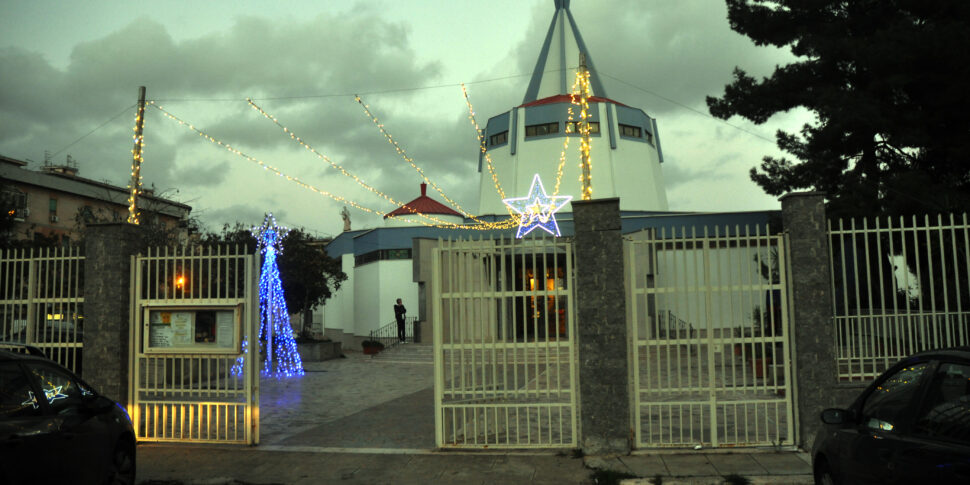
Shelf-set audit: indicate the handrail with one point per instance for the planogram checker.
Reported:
(387, 334)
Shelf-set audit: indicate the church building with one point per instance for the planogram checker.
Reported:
(391, 262)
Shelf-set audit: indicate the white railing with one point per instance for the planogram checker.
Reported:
(708, 314)
(504, 344)
(41, 301)
(899, 286)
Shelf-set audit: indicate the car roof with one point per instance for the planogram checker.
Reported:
(958, 352)
(8, 355)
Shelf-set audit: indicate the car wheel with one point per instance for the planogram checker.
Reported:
(123, 465)
(823, 475)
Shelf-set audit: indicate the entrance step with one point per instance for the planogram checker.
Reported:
(408, 354)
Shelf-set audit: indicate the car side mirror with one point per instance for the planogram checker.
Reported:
(836, 416)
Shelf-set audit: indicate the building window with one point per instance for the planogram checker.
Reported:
(649, 137)
(573, 127)
(15, 203)
(541, 130)
(53, 205)
(630, 131)
(382, 255)
(499, 138)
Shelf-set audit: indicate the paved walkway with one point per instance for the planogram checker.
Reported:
(363, 420)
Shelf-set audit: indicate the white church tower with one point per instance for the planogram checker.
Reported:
(528, 140)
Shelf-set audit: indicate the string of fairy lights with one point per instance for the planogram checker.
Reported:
(301, 183)
(137, 154)
(400, 151)
(481, 142)
(481, 225)
(579, 95)
(585, 177)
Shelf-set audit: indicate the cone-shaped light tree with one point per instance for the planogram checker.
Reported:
(282, 358)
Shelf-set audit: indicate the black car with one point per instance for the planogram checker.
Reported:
(911, 425)
(54, 428)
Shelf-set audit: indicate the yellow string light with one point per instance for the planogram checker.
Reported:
(573, 95)
(585, 176)
(278, 172)
(341, 169)
(400, 151)
(137, 157)
(481, 143)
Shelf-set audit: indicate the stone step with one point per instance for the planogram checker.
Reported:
(407, 353)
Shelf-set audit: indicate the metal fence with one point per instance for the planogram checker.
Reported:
(504, 327)
(194, 310)
(708, 316)
(41, 301)
(899, 285)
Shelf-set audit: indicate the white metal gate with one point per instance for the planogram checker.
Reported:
(504, 344)
(41, 300)
(709, 318)
(899, 286)
(194, 310)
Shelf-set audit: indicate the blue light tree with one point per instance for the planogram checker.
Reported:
(282, 358)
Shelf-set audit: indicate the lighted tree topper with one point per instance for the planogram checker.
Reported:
(282, 358)
(537, 209)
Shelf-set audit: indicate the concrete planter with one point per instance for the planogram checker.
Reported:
(317, 351)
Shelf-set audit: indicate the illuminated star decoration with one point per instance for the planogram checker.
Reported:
(54, 394)
(31, 400)
(282, 358)
(537, 209)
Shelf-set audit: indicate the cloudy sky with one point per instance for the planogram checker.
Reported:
(70, 71)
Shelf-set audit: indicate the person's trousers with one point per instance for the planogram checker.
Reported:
(400, 331)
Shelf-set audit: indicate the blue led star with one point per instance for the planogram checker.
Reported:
(537, 209)
(54, 393)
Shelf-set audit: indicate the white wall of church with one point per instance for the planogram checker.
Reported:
(337, 314)
(376, 286)
(631, 171)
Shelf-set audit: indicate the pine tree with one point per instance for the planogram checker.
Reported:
(886, 80)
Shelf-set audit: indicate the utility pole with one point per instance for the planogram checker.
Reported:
(584, 126)
(136, 159)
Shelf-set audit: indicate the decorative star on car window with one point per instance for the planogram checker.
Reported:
(54, 393)
(31, 401)
(537, 209)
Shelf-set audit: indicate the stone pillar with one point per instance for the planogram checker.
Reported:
(107, 305)
(602, 328)
(813, 336)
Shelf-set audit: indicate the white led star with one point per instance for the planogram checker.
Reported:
(537, 209)
(54, 393)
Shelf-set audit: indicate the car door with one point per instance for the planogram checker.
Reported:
(879, 452)
(942, 424)
(26, 431)
(82, 439)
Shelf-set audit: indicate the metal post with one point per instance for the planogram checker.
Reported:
(135, 184)
(584, 127)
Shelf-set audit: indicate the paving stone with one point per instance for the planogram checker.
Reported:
(736, 463)
(783, 463)
(689, 465)
(646, 465)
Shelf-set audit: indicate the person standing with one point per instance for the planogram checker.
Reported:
(399, 312)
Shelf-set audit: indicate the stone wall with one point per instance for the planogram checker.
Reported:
(602, 330)
(107, 306)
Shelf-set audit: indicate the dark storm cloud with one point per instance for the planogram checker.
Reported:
(42, 107)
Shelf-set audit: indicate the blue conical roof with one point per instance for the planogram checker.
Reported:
(558, 59)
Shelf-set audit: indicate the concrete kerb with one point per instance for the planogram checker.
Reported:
(758, 467)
